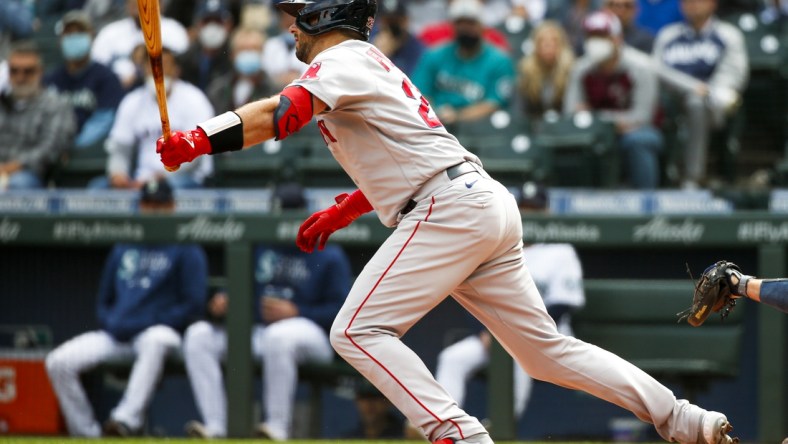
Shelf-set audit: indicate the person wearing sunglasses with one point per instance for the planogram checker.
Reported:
(36, 125)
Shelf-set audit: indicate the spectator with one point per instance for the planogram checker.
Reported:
(132, 139)
(656, 14)
(635, 35)
(394, 38)
(544, 73)
(378, 419)
(116, 41)
(147, 295)
(705, 61)
(17, 22)
(557, 272)
(4, 82)
(572, 21)
(207, 57)
(36, 125)
(443, 32)
(468, 78)
(92, 89)
(298, 296)
(247, 81)
(279, 58)
(618, 84)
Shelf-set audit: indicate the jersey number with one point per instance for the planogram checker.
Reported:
(424, 107)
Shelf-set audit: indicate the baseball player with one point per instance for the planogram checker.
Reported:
(457, 231)
(147, 296)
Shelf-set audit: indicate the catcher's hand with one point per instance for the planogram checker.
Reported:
(715, 291)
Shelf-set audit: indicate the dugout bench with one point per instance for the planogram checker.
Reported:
(318, 376)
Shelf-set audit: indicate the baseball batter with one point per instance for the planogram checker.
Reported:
(458, 232)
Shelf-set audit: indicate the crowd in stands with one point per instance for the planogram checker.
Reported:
(636, 64)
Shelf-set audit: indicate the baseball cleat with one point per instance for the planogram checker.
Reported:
(715, 428)
(196, 429)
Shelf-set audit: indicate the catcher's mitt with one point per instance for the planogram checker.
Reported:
(712, 293)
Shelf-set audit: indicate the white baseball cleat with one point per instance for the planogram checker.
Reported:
(714, 429)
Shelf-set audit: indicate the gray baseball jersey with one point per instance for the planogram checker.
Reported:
(378, 127)
(463, 237)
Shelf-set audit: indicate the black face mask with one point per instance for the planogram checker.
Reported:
(396, 30)
(468, 41)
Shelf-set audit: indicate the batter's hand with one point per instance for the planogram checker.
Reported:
(322, 224)
(183, 146)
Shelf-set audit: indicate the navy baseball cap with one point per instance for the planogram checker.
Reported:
(289, 196)
(156, 191)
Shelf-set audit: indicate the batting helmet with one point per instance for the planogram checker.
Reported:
(318, 16)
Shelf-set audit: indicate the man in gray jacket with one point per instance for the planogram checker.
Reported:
(705, 61)
(36, 125)
(616, 83)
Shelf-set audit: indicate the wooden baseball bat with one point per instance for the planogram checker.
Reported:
(150, 23)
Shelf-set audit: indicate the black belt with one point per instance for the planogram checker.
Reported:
(452, 173)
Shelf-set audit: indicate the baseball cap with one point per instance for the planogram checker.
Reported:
(156, 191)
(602, 23)
(467, 9)
(75, 16)
(212, 9)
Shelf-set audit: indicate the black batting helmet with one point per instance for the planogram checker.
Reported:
(318, 16)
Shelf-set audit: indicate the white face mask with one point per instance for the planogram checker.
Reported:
(213, 35)
(598, 49)
(150, 84)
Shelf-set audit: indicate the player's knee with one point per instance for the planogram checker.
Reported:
(158, 337)
(196, 337)
(339, 340)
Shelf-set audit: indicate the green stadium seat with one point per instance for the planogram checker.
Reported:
(636, 320)
(315, 164)
(257, 166)
(582, 151)
(505, 146)
(78, 166)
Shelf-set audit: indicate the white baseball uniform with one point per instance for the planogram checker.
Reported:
(556, 270)
(464, 238)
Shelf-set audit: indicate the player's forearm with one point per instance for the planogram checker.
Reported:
(772, 292)
(258, 120)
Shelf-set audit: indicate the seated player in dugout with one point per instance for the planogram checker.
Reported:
(456, 232)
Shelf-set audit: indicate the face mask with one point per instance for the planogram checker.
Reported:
(213, 35)
(598, 49)
(247, 63)
(468, 41)
(396, 30)
(150, 84)
(75, 46)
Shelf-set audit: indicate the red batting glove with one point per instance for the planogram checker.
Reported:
(325, 222)
(183, 146)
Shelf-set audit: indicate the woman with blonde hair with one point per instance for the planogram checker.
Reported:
(544, 72)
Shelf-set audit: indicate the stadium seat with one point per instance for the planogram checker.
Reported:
(517, 31)
(78, 166)
(257, 166)
(315, 164)
(505, 146)
(581, 149)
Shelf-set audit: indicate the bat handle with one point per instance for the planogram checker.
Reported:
(165, 134)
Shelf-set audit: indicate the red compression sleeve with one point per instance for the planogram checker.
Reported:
(293, 112)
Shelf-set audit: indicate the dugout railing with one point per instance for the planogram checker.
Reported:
(764, 233)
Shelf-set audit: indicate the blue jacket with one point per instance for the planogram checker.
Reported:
(146, 285)
(317, 283)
